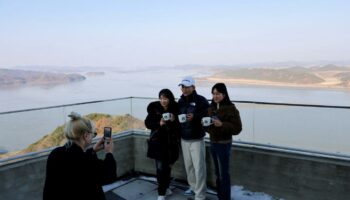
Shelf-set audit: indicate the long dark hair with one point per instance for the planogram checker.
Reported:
(221, 87)
(168, 94)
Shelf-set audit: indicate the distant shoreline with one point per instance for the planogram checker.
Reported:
(330, 77)
(251, 82)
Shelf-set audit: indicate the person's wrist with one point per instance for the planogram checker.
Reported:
(96, 149)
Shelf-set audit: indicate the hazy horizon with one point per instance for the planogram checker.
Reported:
(161, 33)
(277, 64)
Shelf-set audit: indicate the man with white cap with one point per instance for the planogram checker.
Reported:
(194, 107)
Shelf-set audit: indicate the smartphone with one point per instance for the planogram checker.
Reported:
(107, 132)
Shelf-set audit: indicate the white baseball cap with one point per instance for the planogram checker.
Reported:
(187, 81)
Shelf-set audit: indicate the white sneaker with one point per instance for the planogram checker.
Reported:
(161, 198)
(168, 192)
(189, 192)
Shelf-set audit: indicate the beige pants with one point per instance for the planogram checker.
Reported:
(194, 158)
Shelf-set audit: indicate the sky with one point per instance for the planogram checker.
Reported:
(139, 33)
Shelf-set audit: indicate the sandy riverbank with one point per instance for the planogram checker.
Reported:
(331, 84)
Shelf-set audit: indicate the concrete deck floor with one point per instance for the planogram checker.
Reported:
(146, 189)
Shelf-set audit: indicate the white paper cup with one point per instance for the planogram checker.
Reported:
(182, 118)
(166, 116)
(206, 121)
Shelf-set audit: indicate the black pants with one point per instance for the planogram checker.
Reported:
(163, 176)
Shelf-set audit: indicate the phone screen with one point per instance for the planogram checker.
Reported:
(107, 132)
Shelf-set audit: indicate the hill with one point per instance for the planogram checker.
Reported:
(56, 138)
(345, 78)
(328, 76)
(16, 78)
(95, 73)
(274, 75)
(2, 150)
(330, 67)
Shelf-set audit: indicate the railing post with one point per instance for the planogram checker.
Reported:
(131, 113)
(254, 108)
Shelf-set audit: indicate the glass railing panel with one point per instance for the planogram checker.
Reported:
(139, 110)
(312, 128)
(246, 111)
(35, 130)
(20, 130)
(116, 114)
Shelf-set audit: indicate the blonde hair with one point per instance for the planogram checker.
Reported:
(77, 126)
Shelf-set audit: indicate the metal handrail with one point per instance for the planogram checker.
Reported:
(292, 104)
(63, 105)
(150, 98)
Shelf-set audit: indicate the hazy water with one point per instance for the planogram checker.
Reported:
(261, 124)
(148, 84)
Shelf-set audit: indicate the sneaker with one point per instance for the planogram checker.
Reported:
(189, 192)
(168, 192)
(161, 198)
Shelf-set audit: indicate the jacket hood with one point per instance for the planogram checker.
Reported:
(154, 107)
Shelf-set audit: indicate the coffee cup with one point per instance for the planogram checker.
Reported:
(166, 116)
(182, 118)
(206, 121)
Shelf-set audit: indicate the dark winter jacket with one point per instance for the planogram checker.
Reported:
(166, 140)
(231, 123)
(198, 105)
(74, 174)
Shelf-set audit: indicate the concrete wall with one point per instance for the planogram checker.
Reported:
(289, 175)
(22, 180)
(124, 154)
(286, 175)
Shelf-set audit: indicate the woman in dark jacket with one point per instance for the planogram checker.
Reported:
(164, 138)
(226, 122)
(72, 172)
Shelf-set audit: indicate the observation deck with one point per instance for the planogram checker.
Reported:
(281, 152)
